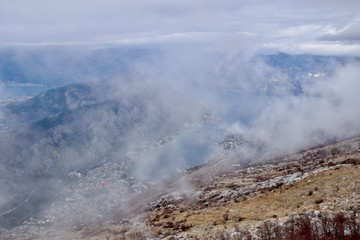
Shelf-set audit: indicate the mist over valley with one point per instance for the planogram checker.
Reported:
(180, 125)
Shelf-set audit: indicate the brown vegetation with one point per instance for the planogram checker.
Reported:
(311, 195)
(304, 227)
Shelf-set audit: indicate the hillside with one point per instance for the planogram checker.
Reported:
(174, 120)
(72, 146)
(133, 157)
(235, 201)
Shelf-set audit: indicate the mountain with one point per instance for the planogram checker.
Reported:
(266, 200)
(140, 152)
(302, 69)
(75, 116)
(274, 74)
(29, 71)
(54, 66)
(310, 192)
(81, 129)
(52, 102)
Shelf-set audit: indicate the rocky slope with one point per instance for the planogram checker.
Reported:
(222, 199)
(66, 153)
(324, 179)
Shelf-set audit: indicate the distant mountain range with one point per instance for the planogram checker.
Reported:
(80, 126)
(78, 140)
(60, 66)
(33, 70)
(75, 126)
(274, 74)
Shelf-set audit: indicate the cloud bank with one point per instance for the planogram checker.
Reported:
(94, 22)
(326, 111)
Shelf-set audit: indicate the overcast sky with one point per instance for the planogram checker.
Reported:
(324, 25)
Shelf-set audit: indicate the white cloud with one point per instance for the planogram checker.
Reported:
(46, 22)
(350, 32)
(298, 30)
(319, 48)
(324, 112)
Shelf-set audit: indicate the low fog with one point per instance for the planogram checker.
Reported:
(325, 111)
(152, 112)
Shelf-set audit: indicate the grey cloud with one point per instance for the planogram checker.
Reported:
(95, 21)
(324, 112)
(350, 33)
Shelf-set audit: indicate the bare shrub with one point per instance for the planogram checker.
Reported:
(340, 226)
(334, 151)
(319, 200)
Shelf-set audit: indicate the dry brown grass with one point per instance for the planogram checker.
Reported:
(339, 189)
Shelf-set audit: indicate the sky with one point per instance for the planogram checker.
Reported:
(325, 110)
(331, 26)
